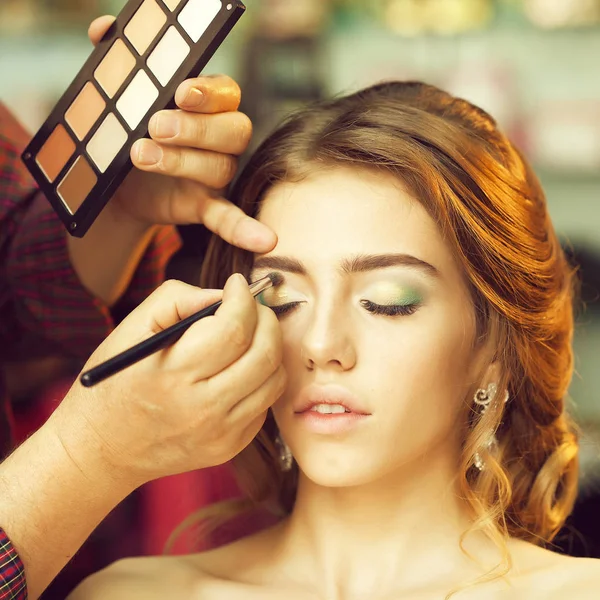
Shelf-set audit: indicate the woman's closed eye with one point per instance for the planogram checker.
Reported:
(283, 309)
(392, 300)
(275, 299)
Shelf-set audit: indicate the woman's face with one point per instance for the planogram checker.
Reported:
(378, 327)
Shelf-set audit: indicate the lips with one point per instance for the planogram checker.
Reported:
(328, 400)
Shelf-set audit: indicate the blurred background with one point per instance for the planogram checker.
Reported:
(533, 64)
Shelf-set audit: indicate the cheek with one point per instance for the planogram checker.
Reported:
(416, 368)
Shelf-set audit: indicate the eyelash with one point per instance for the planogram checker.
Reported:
(283, 309)
(392, 310)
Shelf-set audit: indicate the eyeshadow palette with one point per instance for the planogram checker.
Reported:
(80, 155)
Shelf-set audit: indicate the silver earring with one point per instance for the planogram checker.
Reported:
(483, 398)
(285, 454)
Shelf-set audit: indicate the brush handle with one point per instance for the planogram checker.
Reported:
(161, 340)
(144, 349)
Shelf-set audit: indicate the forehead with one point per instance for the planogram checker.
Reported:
(340, 212)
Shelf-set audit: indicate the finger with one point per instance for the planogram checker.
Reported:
(232, 224)
(172, 302)
(99, 27)
(213, 169)
(260, 400)
(177, 301)
(253, 367)
(218, 93)
(215, 343)
(249, 433)
(228, 133)
(167, 305)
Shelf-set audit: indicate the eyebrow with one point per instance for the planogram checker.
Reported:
(360, 263)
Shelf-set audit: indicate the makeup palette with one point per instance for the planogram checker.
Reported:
(80, 155)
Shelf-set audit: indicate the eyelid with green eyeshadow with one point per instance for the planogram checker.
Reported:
(388, 294)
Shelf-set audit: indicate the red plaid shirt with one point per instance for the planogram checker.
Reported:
(44, 310)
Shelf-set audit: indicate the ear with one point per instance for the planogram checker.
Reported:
(492, 374)
(484, 367)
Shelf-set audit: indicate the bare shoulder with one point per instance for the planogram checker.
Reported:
(147, 578)
(230, 571)
(580, 578)
(558, 576)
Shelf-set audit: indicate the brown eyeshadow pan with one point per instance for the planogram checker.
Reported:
(85, 110)
(55, 153)
(114, 68)
(77, 184)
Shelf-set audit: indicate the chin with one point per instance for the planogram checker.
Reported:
(329, 479)
(336, 471)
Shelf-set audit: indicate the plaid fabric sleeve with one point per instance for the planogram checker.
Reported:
(13, 585)
(42, 303)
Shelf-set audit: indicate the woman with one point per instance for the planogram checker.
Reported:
(421, 449)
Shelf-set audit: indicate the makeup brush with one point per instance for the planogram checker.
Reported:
(165, 338)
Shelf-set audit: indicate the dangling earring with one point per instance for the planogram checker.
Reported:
(484, 398)
(285, 454)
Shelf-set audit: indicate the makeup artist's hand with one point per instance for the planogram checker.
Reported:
(190, 159)
(194, 405)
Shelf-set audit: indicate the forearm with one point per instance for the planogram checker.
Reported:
(52, 496)
(106, 258)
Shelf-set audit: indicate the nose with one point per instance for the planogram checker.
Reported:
(328, 342)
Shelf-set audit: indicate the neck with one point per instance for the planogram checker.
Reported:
(362, 541)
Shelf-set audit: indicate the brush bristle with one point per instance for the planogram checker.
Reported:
(276, 278)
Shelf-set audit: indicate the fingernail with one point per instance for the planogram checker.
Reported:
(193, 99)
(164, 125)
(237, 280)
(148, 153)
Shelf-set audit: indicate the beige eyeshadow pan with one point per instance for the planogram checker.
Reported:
(55, 153)
(114, 68)
(137, 99)
(145, 25)
(77, 184)
(197, 15)
(106, 142)
(168, 55)
(85, 110)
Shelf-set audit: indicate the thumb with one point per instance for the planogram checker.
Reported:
(99, 27)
